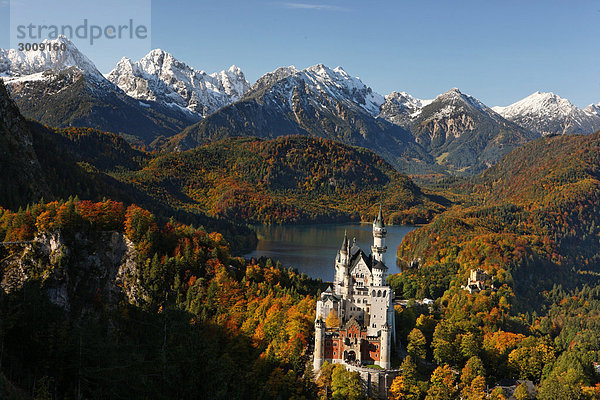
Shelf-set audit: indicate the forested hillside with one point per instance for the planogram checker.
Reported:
(288, 179)
(175, 317)
(532, 226)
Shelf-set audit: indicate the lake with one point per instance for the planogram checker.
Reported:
(312, 248)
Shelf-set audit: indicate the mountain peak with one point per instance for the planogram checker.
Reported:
(593, 109)
(15, 63)
(322, 70)
(158, 54)
(341, 85)
(539, 102)
(548, 113)
(234, 69)
(401, 107)
(319, 66)
(160, 77)
(453, 95)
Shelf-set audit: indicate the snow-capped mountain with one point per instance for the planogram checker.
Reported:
(401, 108)
(548, 113)
(463, 133)
(318, 101)
(64, 88)
(339, 84)
(24, 65)
(160, 77)
(320, 82)
(593, 109)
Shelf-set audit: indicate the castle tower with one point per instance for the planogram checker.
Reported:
(385, 355)
(319, 342)
(379, 232)
(341, 265)
(344, 250)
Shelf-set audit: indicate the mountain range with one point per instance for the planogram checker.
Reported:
(461, 132)
(160, 102)
(64, 88)
(317, 101)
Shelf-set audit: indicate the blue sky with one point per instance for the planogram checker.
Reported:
(497, 51)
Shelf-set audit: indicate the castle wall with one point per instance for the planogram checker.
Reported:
(325, 307)
(376, 383)
(381, 301)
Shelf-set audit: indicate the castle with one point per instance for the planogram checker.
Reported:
(362, 302)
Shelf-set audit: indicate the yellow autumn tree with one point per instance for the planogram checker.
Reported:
(405, 386)
(333, 321)
(417, 345)
(497, 394)
(441, 384)
(476, 390)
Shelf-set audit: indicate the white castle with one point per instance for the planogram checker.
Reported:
(363, 303)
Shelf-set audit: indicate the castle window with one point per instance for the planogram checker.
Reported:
(384, 293)
(373, 293)
(379, 293)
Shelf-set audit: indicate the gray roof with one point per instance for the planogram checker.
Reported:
(380, 265)
(330, 296)
(378, 223)
(355, 249)
(345, 242)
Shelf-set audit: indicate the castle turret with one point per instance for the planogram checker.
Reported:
(344, 250)
(385, 355)
(347, 282)
(379, 232)
(319, 342)
(341, 265)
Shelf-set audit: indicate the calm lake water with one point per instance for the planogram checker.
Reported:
(312, 248)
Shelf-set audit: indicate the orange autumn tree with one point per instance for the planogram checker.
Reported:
(140, 227)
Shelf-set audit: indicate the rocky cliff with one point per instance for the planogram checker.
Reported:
(77, 269)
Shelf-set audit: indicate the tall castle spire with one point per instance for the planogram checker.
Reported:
(345, 242)
(379, 232)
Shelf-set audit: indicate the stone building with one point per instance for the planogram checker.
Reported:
(362, 301)
(476, 281)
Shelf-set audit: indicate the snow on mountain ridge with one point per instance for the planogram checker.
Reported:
(548, 113)
(593, 109)
(538, 103)
(319, 80)
(347, 86)
(15, 63)
(455, 94)
(401, 107)
(336, 83)
(160, 77)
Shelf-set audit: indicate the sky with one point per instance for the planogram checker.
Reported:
(497, 51)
